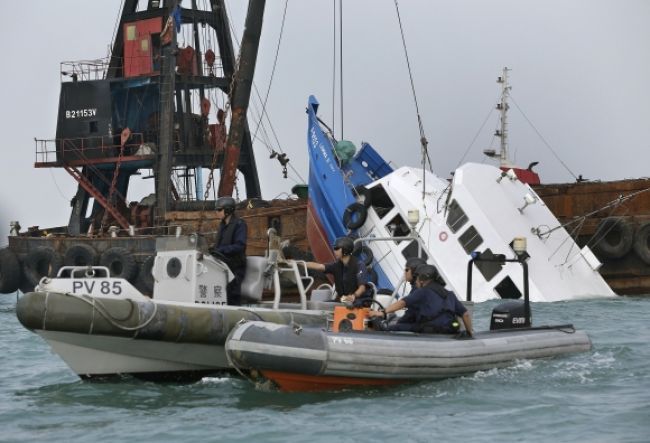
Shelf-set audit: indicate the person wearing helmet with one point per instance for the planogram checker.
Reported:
(430, 308)
(350, 277)
(230, 246)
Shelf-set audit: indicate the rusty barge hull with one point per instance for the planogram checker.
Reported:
(618, 229)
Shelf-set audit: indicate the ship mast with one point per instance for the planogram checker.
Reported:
(502, 132)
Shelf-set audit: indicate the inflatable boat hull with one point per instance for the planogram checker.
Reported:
(312, 359)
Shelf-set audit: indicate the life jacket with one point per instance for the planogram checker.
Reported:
(226, 237)
(346, 279)
(445, 320)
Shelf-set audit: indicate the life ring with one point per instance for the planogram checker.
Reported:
(9, 271)
(119, 262)
(642, 242)
(145, 279)
(363, 195)
(365, 254)
(80, 255)
(41, 262)
(443, 236)
(355, 216)
(616, 236)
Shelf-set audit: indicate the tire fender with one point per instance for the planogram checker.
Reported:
(355, 216)
(80, 255)
(40, 262)
(641, 243)
(120, 263)
(10, 274)
(616, 237)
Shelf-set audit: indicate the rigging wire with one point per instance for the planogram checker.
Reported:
(423, 140)
(462, 159)
(258, 95)
(117, 24)
(543, 139)
(333, 66)
(341, 62)
(275, 63)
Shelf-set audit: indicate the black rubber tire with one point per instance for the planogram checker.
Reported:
(120, 263)
(616, 237)
(10, 274)
(41, 262)
(145, 279)
(641, 242)
(355, 216)
(361, 192)
(365, 253)
(80, 255)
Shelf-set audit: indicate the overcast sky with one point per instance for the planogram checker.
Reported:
(580, 73)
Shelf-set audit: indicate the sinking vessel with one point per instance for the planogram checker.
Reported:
(348, 354)
(102, 325)
(408, 212)
(611, 217)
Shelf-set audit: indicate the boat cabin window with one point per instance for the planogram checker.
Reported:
(488, 268)
(456, 217)
(92, 127)
(412, 251)
(507, 289)
(470, 240)
(380, 201)
(397, 227)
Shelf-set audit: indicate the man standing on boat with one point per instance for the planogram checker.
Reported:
(350, 276)
(430, 308)
(231, 246)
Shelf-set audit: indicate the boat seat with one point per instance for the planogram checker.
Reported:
(253, 284)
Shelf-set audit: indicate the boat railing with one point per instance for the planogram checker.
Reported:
(84, 70)
(88, 149)
(520, 258)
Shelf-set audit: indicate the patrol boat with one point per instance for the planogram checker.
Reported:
(102, 325)
(348, 354)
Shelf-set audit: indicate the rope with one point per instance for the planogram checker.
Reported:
(333, 65)
(462, 159)
(423, 140)
(103, 311)
(275, 62)
(341, 57)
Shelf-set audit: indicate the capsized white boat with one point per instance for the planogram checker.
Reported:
(398, 213)
(102, 326)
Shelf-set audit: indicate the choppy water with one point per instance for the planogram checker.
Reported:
(599, 396)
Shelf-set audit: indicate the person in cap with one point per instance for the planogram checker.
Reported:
(430, 308)
(230, 246)
(350, 276)
(410, 273)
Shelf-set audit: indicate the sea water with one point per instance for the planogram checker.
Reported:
(598, 396)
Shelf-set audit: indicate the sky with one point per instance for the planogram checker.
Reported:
(580, 72)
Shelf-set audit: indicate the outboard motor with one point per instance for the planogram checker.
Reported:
(509, 315)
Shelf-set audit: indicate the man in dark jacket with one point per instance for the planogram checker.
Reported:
(231, 246)
(410, 271)
(350, 276)
(430, 308)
